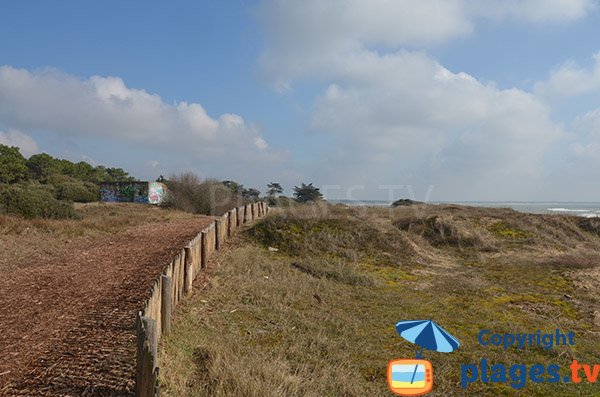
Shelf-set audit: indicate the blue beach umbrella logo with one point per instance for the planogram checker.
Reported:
(427, 335)
(412, 377)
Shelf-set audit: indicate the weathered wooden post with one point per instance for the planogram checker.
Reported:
(139, 356)
(150, 327)
(147, 347)
(166, 310)
(197, 254)
(204, 250)
(217, 234)
(188, 276)
(230, 224)
(240, 216)
(156, 378)
(247, 213)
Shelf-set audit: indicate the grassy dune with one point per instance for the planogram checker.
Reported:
(317, 317)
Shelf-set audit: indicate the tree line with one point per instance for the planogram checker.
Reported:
(302, 194)
(15, 168)
(45, 186)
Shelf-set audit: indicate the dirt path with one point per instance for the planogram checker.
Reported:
(67, 325)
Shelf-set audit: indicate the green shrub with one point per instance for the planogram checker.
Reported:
(71, 189)
(590, 225)
(32, 200)
(281, 201)
(501, 229)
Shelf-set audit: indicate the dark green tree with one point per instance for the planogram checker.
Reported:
(306, 193)
(13, 166)
(274, 189)
(65, 167)
(84, 171)
(251, 194)
(42, 166)
(236, 188)
(119, 175)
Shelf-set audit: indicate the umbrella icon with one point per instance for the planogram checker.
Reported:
(427, 335)
(402, 378)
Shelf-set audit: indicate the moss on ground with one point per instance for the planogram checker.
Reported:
(294, 323)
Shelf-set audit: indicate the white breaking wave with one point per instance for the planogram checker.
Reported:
(566, 210)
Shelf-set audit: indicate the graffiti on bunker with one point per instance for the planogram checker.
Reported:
(156, 192)
(132, 192)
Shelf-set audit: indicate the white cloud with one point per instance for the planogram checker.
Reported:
(305, 38)
(398, 116)
(570, 80)
(104, 108)
(23, 141)
(589, 124)
(260, 143)
(585, 147)
(405, 113)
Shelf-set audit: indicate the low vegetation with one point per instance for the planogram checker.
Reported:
(33, 200)
(316, 316)
(45, 187)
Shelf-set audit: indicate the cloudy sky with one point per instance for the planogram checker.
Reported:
(369, 99)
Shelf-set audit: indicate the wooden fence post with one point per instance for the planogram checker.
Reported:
(156, 382)
(147, 374)
(188, 276)
(217, 234)
(229, 223)
(197, 255)
(150, 327)
(139, 389)
(203, 250)
(166, 310)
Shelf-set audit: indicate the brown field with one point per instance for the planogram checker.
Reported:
(69, 293)
(316, 318)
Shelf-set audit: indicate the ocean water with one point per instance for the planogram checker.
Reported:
(584, 209)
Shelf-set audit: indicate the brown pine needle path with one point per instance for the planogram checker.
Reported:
(67, 323)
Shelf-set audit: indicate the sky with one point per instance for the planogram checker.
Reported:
(437, 100)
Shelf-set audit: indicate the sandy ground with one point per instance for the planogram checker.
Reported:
(67, 323)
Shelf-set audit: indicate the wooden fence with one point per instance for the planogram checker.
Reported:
(175, 282)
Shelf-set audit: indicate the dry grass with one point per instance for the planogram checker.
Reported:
(23, 241)
(317, 318)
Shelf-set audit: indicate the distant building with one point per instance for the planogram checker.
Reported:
(133, 192)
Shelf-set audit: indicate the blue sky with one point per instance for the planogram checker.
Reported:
(435, 99)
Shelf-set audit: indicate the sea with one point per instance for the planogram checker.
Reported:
(583, 209)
